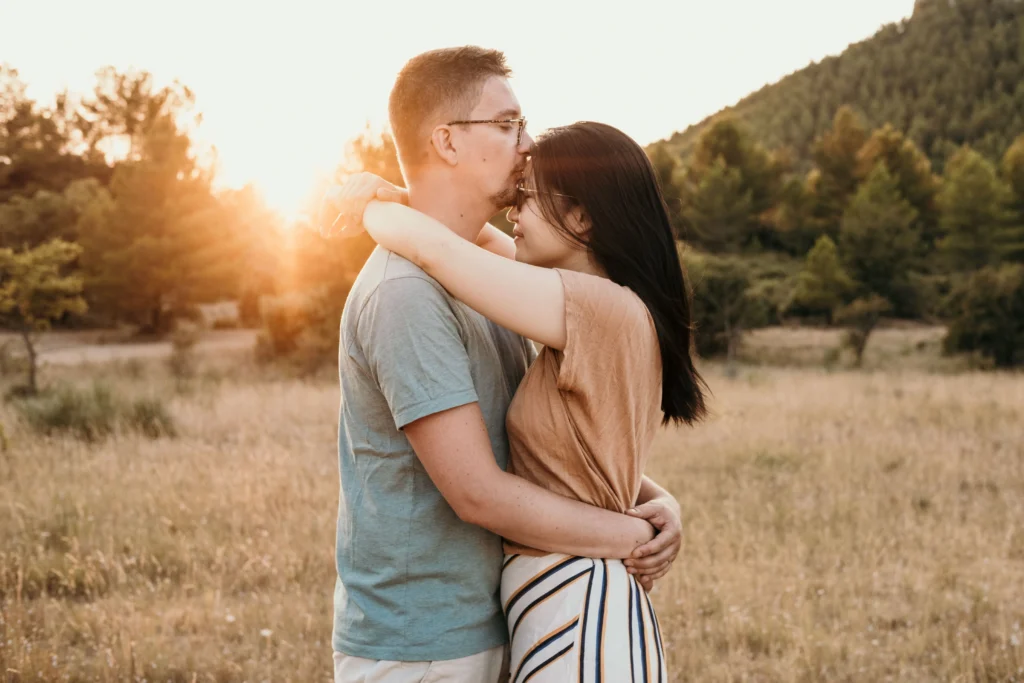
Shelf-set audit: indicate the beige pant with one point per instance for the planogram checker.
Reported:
(483, 667)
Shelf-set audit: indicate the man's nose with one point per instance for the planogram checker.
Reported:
(526, 144)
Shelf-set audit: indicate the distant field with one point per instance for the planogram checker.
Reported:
(840, 526)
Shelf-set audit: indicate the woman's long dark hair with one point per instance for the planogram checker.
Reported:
(610, 178)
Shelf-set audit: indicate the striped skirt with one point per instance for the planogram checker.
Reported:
(579, 620)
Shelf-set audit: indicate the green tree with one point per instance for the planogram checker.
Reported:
(718, 209)
(822, 285)
(28, 221)
(159, 244)
(1013, 174)
(727, 301)
(835, 178)
(975, 216)
(878, 241)
(41, 147)
(986, 314)
(911, 170)
(796, 226)
(35, 290)
(729, 166)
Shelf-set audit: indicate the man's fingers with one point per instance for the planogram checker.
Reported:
(654, 546)
(656, 560)
(652, 513)
(659, 568)
(654, 577)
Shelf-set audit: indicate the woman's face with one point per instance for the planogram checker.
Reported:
(538, 242)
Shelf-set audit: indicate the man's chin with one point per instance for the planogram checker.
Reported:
(504, 200)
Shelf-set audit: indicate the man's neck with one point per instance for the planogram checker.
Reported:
(438, 198)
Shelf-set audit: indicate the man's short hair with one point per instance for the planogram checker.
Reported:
(444, 82)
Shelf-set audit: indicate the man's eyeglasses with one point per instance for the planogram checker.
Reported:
(521, 122)
(522, 191)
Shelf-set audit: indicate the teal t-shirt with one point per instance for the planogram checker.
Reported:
(415, 583)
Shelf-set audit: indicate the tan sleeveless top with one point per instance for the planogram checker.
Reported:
(583, 419)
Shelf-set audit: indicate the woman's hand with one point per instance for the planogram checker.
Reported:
(342, 206)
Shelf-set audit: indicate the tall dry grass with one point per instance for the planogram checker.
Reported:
(839, 527)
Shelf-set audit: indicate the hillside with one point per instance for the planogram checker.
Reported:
(953, 73)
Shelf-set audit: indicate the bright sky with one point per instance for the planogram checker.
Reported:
(283, 86)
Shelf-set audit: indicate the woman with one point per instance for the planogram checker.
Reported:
(594, 276)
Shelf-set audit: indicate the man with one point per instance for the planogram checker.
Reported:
(425, 385)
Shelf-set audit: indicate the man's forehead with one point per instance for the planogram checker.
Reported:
(497, 100)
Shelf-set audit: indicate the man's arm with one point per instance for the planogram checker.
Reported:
(456, 451)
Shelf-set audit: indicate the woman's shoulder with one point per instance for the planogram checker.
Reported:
(599, 296)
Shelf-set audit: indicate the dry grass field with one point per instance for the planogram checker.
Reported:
(840, 526)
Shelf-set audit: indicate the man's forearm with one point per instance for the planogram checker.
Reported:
(532, 516)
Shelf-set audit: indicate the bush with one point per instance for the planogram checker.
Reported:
(149, 416)
(11, 363)
(94, 413)
(986, 315)
(729, 298)
(301, 327)
(284, 318)
(182, 362)
(86, 414)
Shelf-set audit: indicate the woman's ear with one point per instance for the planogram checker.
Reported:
(444, 144)
(579, 221)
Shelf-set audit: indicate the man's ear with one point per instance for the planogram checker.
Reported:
(444, 144)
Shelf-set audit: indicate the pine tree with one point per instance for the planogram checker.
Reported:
(878, 241)
(974, 212)
(835, 177)
(1013, 174)
(822, 285)
(911, 170)
(718, 209)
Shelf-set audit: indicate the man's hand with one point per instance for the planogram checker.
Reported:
(652, 560)
(342, 206)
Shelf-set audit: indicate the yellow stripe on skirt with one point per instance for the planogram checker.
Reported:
(579, 620)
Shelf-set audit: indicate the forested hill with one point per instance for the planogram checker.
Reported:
(953, 73)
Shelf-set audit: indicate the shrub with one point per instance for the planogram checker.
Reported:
(93, 413)
(182, 362)
(301, 327)
(986, 315)
(89, 414)
(149, 416)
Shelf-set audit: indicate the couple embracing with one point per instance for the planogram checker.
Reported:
(494, 520)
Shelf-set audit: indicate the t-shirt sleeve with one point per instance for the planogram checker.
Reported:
(608, 331)
(414, 349)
